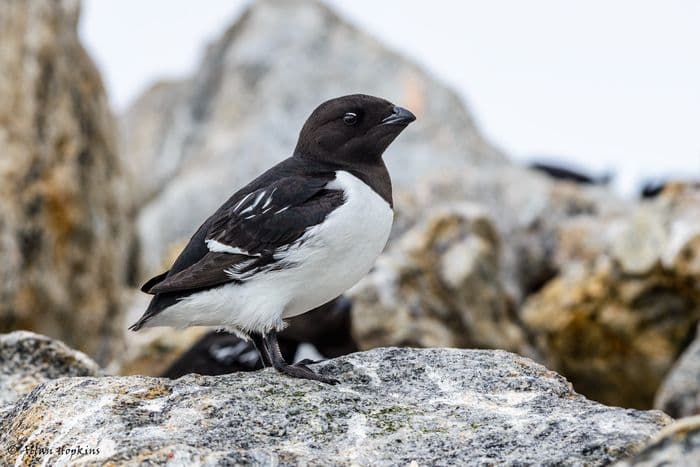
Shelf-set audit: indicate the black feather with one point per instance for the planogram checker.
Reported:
(153, 281)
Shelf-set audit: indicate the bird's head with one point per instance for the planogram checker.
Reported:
(351, 129)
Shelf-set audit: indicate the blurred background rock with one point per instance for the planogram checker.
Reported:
(65, 231)
(544, 261)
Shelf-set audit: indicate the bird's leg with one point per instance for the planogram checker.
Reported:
(295, 371)
(259, 343)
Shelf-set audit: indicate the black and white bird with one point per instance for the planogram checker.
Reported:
(294, 238)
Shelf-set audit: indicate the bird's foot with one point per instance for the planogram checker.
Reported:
(299, 370)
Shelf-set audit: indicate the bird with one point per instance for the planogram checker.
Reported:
(294, 238)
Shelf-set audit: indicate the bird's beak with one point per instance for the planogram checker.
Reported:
(399, 116)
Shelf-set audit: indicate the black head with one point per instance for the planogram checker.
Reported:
(351, 129)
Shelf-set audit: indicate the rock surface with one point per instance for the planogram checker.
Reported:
(677, 444)
(28, 359)
(393, 407)
(679, 394)
(63, 226)
(242, 112)
(526, 208)
(626, 301)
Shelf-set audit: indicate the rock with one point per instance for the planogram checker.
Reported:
(614, 336)
(28, 359)
(394, 407)
(141, 131)
(626, 301)
(439, 285)
(639, 237)
(64, 230)
(676, 444)
(242, 112)
(527, 209)
(679, 394)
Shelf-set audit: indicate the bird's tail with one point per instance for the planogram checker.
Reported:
(158, 304)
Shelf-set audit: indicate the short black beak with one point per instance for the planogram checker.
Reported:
(399, 116)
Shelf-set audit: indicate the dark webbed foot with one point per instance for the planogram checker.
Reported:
(304, 372)
(299, 370)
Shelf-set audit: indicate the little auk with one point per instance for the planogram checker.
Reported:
(294, 238)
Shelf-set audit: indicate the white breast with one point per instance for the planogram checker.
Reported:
(343, 248)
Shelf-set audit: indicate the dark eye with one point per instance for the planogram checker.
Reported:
(350, 118)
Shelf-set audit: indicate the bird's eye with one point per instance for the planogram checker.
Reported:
(350, 118)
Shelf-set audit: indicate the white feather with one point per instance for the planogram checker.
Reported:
(242, 201)
(217, 247)
(269, 199)
(254, 203)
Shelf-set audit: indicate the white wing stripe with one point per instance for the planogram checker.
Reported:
(218, 247)
(255, 203)
(269, 199)
(242, 201)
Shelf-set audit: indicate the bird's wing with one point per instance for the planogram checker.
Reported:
(153, 281)
(250, 235)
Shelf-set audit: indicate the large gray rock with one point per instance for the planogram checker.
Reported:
(393, 407)
(191, 144)
(677, 444)
(679, 394)
(64, 230)
(28, 359)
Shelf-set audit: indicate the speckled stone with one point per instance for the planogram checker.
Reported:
(677, 444)
(393, 407)
(28, 359)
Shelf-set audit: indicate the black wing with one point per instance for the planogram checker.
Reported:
(247, 237)
(153, 281)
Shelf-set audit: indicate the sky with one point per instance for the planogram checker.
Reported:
(605, 85)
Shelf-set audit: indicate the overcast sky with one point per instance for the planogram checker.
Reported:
(605, 84)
